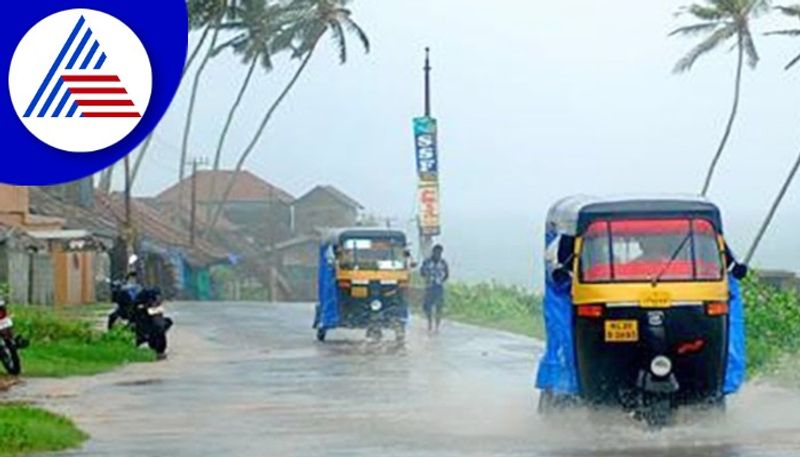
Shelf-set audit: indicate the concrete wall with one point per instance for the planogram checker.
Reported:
(15, 270)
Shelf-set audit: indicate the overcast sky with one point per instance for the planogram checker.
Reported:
(536, 100)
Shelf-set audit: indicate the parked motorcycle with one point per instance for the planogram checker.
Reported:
(143, 310)
(10, 345)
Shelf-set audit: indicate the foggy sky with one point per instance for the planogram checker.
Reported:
(535, 100)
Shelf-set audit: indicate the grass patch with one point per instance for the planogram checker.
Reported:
(495, 305)
(773, 327)
(69, 343)
(28, 430)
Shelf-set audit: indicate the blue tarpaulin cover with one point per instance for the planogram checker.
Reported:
(737, 352)
(328, 297)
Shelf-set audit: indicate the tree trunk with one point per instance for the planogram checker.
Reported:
(105, 180)
(728, 128)
(254, 142)
(226, 129)
(773, 210)
(190, 113)
(149, 139)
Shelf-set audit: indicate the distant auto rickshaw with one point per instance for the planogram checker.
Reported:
(364, 275)
(642, 307)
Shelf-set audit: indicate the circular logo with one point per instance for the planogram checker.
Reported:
(80, 80)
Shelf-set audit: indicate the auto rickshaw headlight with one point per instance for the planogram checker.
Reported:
(376, 305)
(661, 366)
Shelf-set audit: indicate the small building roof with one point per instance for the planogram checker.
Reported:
(211, 186)
(334, 192)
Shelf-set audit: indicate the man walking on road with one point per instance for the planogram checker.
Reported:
(435, 272)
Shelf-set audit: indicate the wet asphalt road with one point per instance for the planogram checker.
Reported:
(250, 380)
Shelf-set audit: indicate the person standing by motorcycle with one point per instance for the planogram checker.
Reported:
(125, 299)
(435, 272)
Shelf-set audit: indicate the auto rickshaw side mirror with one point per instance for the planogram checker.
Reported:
(562, 277)
(740, 270)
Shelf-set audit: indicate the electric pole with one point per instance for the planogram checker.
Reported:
(195, 163)
(128, 229)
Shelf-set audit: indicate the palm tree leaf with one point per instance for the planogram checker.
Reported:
(749, 48)
(339, 38)
(787, 32)
(792, 62)
(710, 43)
(362, 36)
(694, 29)
(793, 11)
(706, 13)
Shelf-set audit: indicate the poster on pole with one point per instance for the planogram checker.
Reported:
(429, 216)
(425, 136)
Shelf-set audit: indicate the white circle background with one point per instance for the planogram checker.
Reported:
(35, 54)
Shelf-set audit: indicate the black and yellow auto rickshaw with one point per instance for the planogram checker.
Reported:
(642, 306)
(364, 275)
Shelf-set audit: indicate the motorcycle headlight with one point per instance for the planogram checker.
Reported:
(376, 305)
(661, 366)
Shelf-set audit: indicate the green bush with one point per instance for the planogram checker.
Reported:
(773, 324)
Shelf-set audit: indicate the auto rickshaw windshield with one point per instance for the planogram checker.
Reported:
(647, 250)
(373, 254)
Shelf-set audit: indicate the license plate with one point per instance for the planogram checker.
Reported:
(656, 300)
(622, 331)
(6, 323)
(359, 292)
(156, 310)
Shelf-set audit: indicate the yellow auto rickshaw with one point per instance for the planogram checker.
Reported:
(642, 306)
(364, 275)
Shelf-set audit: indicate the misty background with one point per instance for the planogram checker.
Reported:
(535, 101)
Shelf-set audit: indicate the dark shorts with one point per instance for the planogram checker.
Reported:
(434, 299)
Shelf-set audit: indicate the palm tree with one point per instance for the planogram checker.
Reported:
(202, 16)
(256, 44)
(307, 22)
(721, 21)
(212, 15)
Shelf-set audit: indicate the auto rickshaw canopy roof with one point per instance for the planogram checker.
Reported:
(338, 236)
(572, 215)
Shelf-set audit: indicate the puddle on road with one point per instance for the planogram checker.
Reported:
(139, 383)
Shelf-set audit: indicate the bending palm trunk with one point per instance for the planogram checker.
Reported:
(228, 123)
(731, 119)
(773, 210)
(257, 136)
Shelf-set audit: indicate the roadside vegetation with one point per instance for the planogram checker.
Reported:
(773, 328)
(70, 344)
(495, 305)
(25, 429)
(772, 317)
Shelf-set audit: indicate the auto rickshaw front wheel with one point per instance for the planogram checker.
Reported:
(374, 334)
(657, 412)
(321, 334)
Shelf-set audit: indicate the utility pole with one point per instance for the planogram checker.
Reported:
(193, 207)
(128, 229)
(428, 82)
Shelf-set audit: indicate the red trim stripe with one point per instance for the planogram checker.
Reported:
(112, 115)
(90, 78)
(98, 90)
(104, 102)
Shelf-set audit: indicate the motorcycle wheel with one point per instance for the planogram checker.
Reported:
(158, 342)
(9, 357)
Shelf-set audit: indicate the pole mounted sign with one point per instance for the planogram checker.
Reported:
(428, 196)
(425, 134)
